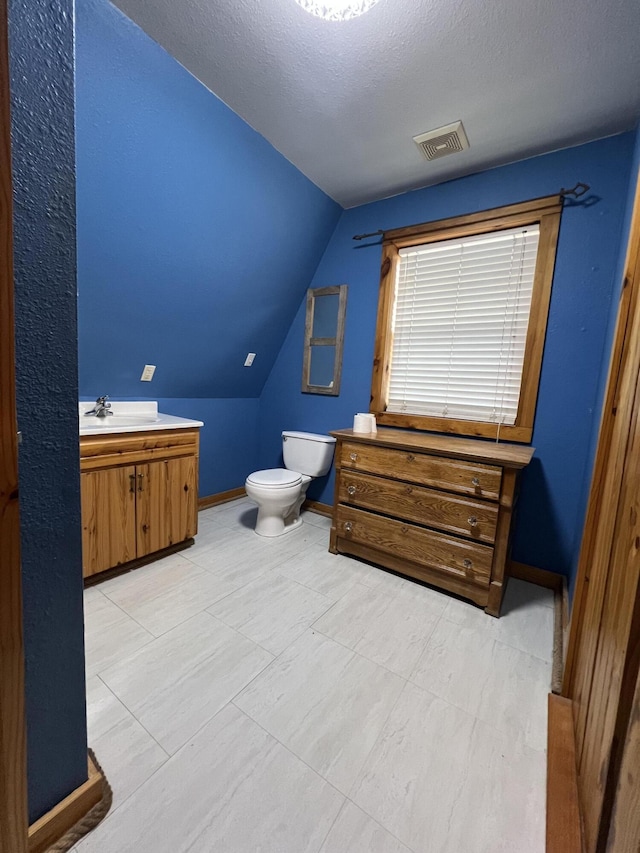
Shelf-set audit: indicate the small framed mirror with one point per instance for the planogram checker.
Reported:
(323, 340)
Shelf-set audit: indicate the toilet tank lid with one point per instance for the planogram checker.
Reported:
(312, 436)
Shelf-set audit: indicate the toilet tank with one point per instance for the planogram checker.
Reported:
(307, 452)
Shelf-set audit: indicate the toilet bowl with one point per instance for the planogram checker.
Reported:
(280, 492)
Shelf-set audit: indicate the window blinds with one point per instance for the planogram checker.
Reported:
(460, 326)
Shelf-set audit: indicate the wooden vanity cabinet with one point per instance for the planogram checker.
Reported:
(434, 508)
(139, 495)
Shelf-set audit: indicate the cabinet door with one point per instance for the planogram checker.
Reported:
(108, 518)
(167, 510)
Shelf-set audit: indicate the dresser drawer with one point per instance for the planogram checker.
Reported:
(455, 557)
(464, 516)
(455, 475)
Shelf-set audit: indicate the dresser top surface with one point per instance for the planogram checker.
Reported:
(495, 453)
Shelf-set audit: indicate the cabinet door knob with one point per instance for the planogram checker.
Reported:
(353, 457)
(472, 520)
(132, 483)
(467, 564)
(475, 481)
(140, 478)
(348, 526)
(351, 490)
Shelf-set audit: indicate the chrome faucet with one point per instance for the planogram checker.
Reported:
(101, 408)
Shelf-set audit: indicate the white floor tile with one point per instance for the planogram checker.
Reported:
(325, 703)
(110, 635)
(272, 611)
(331, 574)
(356, 832)
(166, 593)
(454, 776)
(526, 620)
(126, 751)
(232, 789)
(440, 780)
(389, 625)
(178, 682)
(500, 685)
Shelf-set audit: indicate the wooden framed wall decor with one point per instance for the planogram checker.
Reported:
(324, 340)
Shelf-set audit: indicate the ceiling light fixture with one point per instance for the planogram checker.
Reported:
(337, 10)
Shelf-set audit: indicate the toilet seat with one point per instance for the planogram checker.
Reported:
(275, 478)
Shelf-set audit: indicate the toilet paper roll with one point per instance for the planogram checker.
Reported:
(364, 422)
(361, 423)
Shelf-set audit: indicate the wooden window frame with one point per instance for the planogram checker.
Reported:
(544, 212)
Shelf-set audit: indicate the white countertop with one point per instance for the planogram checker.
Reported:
(130, 417)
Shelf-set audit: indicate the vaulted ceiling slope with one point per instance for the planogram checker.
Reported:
(196, 239)
(342, 101)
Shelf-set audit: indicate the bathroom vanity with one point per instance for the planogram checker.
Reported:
(434, 508)
(139, 487)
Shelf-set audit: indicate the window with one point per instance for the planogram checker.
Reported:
(462, 319)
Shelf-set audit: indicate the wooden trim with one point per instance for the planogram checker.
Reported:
(546, 212)
(107, 574)
(477, 429)
(319, 508)
(221, 498)
(58, 821)
(383, 340)
(538, 315)
(118, 449)
(564, 831)
(532, 574)
(13, 769)
(494, 219)
(598, 495)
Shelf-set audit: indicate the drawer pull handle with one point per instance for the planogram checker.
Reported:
(467, 564)
(409, 490)
(475, 481)
(411, 458)
(351, 490)
(353, 457)
(472, 520)
(348, 526)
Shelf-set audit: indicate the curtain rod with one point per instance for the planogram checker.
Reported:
(579, 190)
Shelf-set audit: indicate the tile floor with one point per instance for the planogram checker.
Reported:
(257, 695)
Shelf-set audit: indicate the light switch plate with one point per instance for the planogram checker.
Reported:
(147, 373)
(249, 359)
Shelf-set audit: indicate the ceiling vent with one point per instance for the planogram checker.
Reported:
(442, 141)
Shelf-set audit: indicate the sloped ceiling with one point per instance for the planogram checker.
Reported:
(342, 101)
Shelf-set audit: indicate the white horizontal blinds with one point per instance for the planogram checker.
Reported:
(460, 325)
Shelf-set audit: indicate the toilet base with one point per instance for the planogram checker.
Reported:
(271, 526)
(274, 520)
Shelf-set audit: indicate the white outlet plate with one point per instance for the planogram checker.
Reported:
(147, 373)
(249, 359)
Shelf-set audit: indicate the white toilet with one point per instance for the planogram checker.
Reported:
(280, 492)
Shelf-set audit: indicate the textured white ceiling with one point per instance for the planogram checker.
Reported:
(341, 101)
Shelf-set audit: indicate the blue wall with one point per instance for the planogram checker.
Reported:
(196, 238)
(41, 64)
(552, 498)
(604, 366)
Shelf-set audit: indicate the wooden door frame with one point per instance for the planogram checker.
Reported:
(13, 762)
(598, 501)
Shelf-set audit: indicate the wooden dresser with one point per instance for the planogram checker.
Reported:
(434, 508)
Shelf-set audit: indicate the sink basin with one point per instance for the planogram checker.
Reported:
(114, 422)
